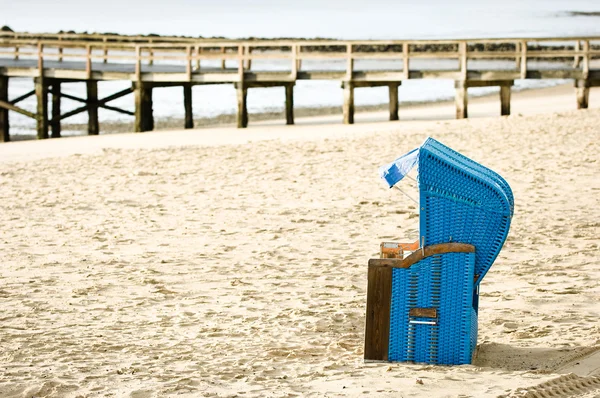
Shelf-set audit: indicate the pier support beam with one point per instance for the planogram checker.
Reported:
(92, 101)
(505, 100)
(582, 88)
(4, 129)
(348, 107)
(242, 115)
(187, 104)
(41, 92)
(289, 103)
(393, 88)
(144, 120)
(55, 121)
(461, 99)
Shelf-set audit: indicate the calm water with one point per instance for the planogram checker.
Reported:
(349, 19)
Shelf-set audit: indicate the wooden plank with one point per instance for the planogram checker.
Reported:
(22, 97)
(55, 121)
(532, 54)
(125, 39)
(187, 105)
(40, 63)
(198, 55)
(462, 47)
(248, 52)
(586, 59)
(73, 112)
(423, 312)
(92, 109)
(377, 325)
(88, 61)
(242, 96)
(138, 64)
(349, 62)
(348, 107)
(405, 61)
(419, 255)
(41, 92)
(241, 63)
(523, 59)
(276, 43)
(116, 95)
(289, 103)
(489, 83)
(105, 51)
(144, 120)
(505, 100)
(115, 109)
(374, 83)
(4, 122)
(295, 63)
(297, 55)
(188, 62)
(576, 59)
(11, 107)
(461, 99)
(494, 55)
(393, 94)
(582, 88)
(150, 57)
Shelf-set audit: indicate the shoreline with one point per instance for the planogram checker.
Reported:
(224, 120)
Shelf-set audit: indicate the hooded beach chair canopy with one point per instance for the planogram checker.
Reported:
(459, 199)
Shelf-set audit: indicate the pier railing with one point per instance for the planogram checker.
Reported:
(240, 55)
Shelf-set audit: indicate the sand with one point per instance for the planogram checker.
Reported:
(222, 262)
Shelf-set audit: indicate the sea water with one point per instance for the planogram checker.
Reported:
(348, 19)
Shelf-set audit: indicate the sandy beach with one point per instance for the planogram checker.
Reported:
(225, 262)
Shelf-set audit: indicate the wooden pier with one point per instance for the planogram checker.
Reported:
(54, 60)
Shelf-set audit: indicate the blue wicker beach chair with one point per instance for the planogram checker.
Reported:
(424, 307)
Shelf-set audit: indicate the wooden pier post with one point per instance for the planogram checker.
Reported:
(41, 92)
(576, 60)
(4, 127)
(55, 121)
(289, 103)
(187, 105)
(377, 327)
(242, 115)
(92, 102)
(505, 100)
(461, 99)
(144, 120)
(348, 102)
(393, 88)
(583, 93)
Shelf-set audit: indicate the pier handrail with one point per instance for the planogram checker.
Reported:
(139, 39)
(190, 51)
